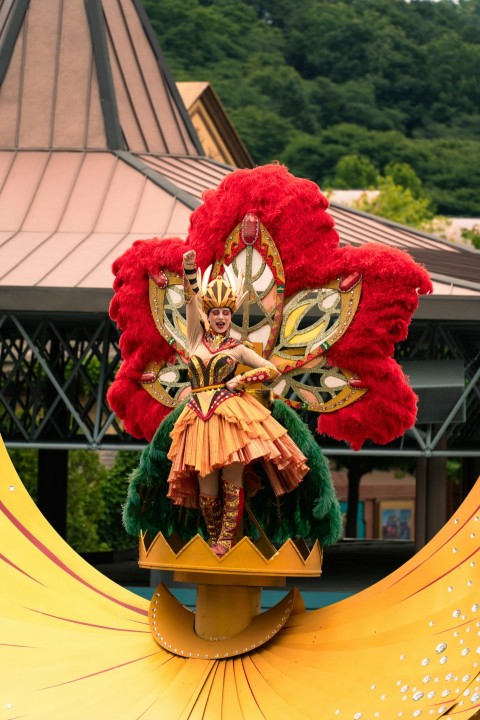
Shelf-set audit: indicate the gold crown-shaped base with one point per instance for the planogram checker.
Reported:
(292, 559)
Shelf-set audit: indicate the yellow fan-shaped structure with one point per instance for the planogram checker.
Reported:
(75, 645)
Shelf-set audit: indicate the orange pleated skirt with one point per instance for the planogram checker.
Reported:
(240, 430)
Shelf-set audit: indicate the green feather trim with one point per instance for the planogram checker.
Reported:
(311, 510)
(147, 507)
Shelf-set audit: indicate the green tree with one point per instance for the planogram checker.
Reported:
(450, 172)
(404, 175)
(85, 501)
(287, 95)
(265, 133)
(349, 139)
(111, 532)
(355, 171)
(25, 461)
(472, 235)
(397, 203)
(307, 156)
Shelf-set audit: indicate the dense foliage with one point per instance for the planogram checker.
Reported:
(95, 496)
(308, 82)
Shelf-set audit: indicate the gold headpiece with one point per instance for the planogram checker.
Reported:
(223, 291)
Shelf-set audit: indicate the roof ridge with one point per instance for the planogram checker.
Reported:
(408, 229)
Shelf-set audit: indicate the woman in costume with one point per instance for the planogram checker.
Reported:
(329, 327)
(222, 428)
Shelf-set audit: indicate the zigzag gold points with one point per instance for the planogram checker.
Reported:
(291, 555)
(291, 559)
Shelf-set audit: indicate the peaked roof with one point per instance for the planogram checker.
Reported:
(66, 216)
(97, 150)
(87, 74)
(455, 268)
(85, 100)
(216, 131)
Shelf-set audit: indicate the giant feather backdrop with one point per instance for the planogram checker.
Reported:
(294, 214)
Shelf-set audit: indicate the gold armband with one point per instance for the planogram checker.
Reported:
(259, 375)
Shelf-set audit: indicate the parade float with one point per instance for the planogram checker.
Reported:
(327, 318)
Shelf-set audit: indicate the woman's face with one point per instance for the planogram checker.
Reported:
(220, 320)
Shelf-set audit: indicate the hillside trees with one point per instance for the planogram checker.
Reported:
(397, 203)
(310, 81)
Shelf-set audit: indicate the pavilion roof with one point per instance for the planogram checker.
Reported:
(97, 150)
(87, 76)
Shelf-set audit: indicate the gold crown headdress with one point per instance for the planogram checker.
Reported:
(223, 291)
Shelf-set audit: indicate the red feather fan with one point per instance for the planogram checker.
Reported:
(295, 213)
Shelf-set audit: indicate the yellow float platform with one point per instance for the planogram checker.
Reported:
(75, 645)
(227, 621)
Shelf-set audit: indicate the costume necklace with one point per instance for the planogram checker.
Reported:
(216, 341)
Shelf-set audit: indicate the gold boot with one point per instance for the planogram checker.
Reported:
(211, 508)
(233, 497)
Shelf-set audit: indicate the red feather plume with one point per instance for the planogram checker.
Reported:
(295, 213)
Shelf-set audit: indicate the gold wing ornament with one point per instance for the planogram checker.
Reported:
(313, 320)
(168, 382)
(292, 334)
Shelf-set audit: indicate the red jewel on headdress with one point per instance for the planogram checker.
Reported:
(357, 383)
(159, 278)
(349, 282)
(250, 227)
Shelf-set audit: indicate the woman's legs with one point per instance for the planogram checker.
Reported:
(233, 473)
(208, 484)
(211, 504)
(233, 498)
(222, 512)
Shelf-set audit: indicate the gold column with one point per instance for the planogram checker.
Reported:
(225, 610)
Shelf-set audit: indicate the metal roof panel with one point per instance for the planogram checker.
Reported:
(51, 196)
(66, 216)
(192, 174)
(76, 93)
(100, 276)
(149, 215)
(21, 183)
(20, 256)
(121, 200)
(81, 255)
(78, 75)
(69, 215)
(91, 186)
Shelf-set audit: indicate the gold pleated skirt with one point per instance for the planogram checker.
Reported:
(240, 430)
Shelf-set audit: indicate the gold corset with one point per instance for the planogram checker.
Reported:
(218, 371)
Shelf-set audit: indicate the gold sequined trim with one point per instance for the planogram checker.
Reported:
(207, 387)
(260, 374)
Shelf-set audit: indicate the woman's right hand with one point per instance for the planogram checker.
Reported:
(232, 384)
(189, 257)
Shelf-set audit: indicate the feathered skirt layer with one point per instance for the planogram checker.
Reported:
(240, 430)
